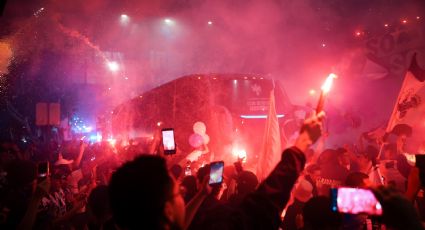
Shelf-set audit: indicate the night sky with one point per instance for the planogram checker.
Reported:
(120, 49)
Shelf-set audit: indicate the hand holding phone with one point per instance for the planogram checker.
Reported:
(216, 172)
(168, 141)
(355, 201)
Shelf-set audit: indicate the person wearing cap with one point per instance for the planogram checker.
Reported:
(73, 166)
(301, 193)
(54, 204)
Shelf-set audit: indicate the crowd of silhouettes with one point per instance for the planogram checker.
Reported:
(100, 186)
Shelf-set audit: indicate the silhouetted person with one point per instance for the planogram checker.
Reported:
(144, 196)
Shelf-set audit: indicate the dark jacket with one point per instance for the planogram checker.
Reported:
(262, 208)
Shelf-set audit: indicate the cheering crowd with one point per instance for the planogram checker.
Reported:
(101, 186)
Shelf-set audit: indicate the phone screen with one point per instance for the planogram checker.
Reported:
(43, 169)
(355, 201)
(216, 172)
(168, 141)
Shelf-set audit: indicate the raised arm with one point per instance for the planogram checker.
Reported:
(80, 155)
(261, 210)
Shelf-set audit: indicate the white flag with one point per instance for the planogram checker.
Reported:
(271, 149)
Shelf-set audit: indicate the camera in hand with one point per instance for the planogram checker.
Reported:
(216, 172)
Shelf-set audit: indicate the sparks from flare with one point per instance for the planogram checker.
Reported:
(113, 66)
(326, 87)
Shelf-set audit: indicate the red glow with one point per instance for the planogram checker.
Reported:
(404, 21)
(359, 33)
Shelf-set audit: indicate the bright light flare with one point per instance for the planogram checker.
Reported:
(113, 66)
(124, 19)
(210, 23)
(418, 17)
(386, 25)
(404, 21)
(312, 92)
(112, 141)
(240, 154)
(326, 87)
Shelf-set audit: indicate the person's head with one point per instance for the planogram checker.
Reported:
(367, 157)
(98, 203)
(390, 152)
(144, 196)
(59, 177)
(398, 211)
(189, 185)
(176, 171)
(317, 214)
(343, 157)
(247, 182)
(328, 156)
(357, 180)
(402, 131)
(6, 157)
(204, 172)
(21, 175)
(314, 172)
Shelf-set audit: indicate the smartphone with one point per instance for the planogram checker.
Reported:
(355, 201)
(43, 169)
(168, 141)
(216, 172)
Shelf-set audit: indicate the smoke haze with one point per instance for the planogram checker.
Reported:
(298, 42)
